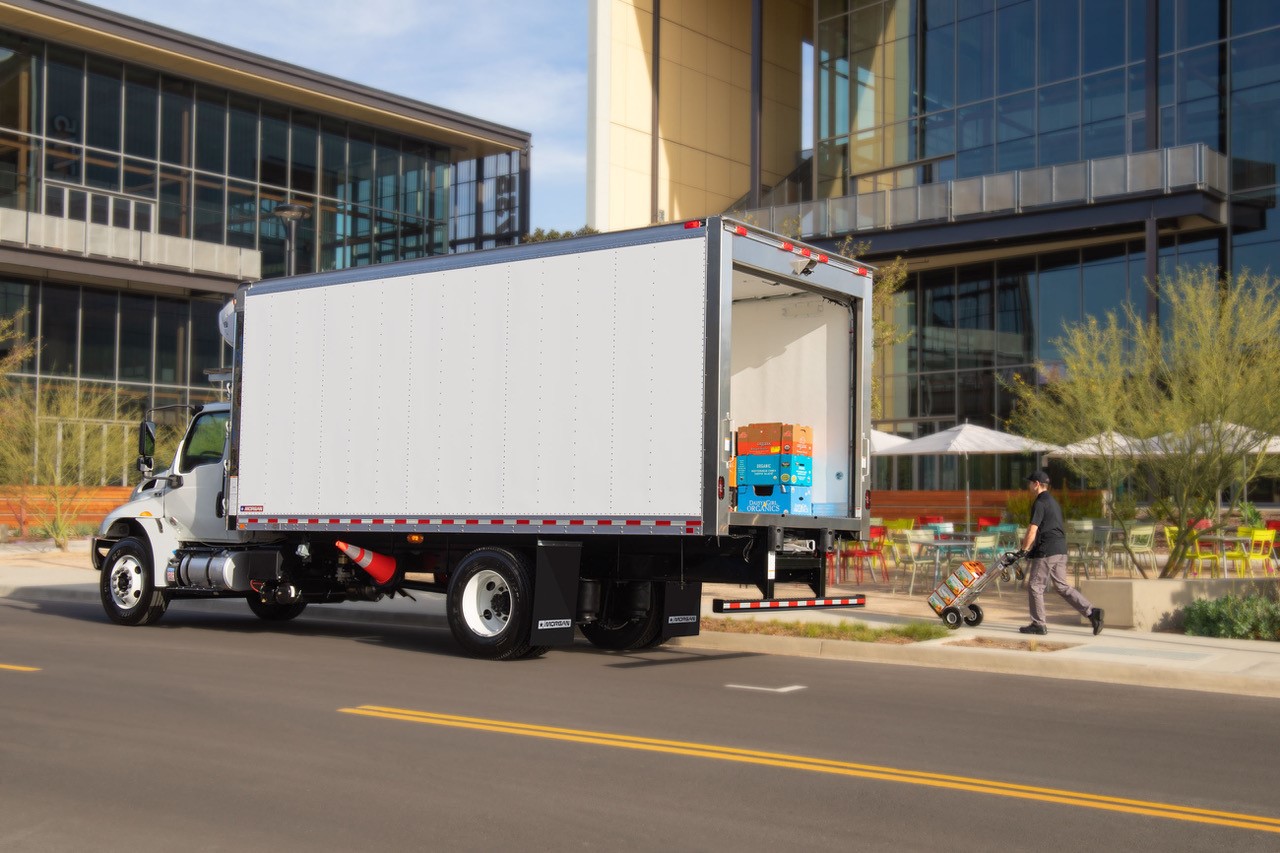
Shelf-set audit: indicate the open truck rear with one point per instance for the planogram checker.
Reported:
(544, 434)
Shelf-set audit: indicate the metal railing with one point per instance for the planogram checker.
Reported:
(1161, 171)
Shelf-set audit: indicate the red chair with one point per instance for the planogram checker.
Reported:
(858, 554)
(922, 520)
(985, 521)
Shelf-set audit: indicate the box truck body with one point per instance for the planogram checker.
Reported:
(564, 413)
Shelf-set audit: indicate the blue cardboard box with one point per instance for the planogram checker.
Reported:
(775, 469)
(776, 500)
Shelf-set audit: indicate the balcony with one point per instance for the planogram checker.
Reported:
(41, 232)
(1165, 171)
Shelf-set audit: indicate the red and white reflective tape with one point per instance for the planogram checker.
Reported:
(690, 525)
(719, 605)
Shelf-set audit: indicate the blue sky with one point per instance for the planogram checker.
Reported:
(520, 63)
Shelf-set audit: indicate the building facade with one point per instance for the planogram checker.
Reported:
(1035, 162)
(140, 174)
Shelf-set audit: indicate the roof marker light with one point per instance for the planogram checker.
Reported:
(740, 230)
(693, 223)
(787, 246)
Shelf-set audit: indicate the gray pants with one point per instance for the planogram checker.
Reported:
(1043, 570)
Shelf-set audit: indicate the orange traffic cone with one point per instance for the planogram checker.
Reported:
(379, 566)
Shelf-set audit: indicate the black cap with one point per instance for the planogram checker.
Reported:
(1037, 477)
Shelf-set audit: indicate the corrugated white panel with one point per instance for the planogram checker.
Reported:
(561, 386)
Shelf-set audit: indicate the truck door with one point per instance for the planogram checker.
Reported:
(195, 503)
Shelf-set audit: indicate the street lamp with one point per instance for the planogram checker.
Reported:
(290, 213)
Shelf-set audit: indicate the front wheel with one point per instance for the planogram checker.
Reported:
(127, 587)
(490, 605)
(951, 617)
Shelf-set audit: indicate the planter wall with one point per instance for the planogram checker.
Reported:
(1156, 605)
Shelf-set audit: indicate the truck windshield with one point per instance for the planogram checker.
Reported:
(205, 441)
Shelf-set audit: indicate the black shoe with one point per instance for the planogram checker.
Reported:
(1033, 628)
(1095, 619)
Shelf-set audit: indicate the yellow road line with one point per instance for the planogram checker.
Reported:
(16, 668)
(842, 768)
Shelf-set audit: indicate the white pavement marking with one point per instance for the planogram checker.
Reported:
(792, 689)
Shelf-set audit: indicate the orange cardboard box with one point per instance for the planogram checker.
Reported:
(774, 438)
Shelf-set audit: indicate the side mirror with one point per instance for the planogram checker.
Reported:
(147, 439)
(144, 465)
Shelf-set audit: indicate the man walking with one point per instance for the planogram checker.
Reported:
(1046, 545)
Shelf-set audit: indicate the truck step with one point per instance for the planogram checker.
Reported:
(720, 605)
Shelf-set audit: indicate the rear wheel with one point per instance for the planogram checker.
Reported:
(974, 617)
(127, 587)
(951, 617)
(273, 612)
(619, 629)
(490, 605)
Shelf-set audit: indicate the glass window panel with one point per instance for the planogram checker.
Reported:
(142, 217)
(1137, 30)
(1250, 15)
(206, 340)
(176, 104)
(211, 130)
(1015, 116)
(333, 157)
(359, 242)
(1059, 106)
(1200, 121)
(1015, 311)
(975, 317)
(938, 13)
(969, 8)
(19, 84)
(388, 175)
(242, 137)
(273, 155)
(305, 236)
(98, 339)
(1105, 281)
(120, 217)
(975, 126)
(65, 95)
(1059, 40)
(937, 394)
(302, 165)
(1166, 26)
(413, 184)
(939, 134)
(1103, 95)
(171, 341)
(1016, 154)
(210, 212)
(359, 167)
(1061, 146)
(137, 316)
(16, 296)
(1015, 46)
(975, 162)
(242, 220)
(1103, 139)
(939, 69)
(102, 170)
(938, 320)
(1199, 74)
(100, 209)
(175, 203)
(102, 122)
(141, 102)
(976, 46)
(868, 104)
(271, 233)
(331, 235)
(18, 166)
(1200, 21)
(976, 399)
(899, 143)
(59, 321)
(140, 178)
(77, 205)
(1059, 299)
(1102, 41)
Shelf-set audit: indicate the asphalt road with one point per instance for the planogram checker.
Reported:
(214, 731)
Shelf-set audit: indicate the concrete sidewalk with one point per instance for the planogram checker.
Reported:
(37, 572)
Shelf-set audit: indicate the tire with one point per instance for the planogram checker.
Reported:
(951, 617)
(617, 631)
(974, 617)
(490, 604)
(127, 586)
(270, 611)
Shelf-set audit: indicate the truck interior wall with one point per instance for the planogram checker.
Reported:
(791, 364)
(562, 385)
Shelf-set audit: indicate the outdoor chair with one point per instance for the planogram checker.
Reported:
(1196, 555)
(1257, 549)
(1142, 544)
(909, 556)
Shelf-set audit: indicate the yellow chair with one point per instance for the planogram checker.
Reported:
(1142, 544)
(1195, 553)
(1259, 549)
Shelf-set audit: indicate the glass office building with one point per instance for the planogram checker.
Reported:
(140, 169)
(1035, 162)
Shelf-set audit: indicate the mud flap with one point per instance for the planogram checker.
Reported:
(681, 609)
(555, 593)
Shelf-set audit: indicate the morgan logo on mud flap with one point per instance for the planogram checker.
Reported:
(680, 620)
(546, 624)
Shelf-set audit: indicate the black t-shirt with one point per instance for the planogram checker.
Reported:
(1051, 538)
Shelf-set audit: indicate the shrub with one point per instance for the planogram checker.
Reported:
(1083, 506)
(1019, 508)
(1253, 617)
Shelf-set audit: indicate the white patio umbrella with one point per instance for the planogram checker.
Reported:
(966, 439)
(882, 441)
(1109, 443)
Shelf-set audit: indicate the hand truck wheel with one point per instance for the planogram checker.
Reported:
(974, 618)
(951, 617)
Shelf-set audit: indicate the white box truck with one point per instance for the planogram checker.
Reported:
(543, 434)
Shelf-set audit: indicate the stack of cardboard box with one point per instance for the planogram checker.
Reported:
(775, 469)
